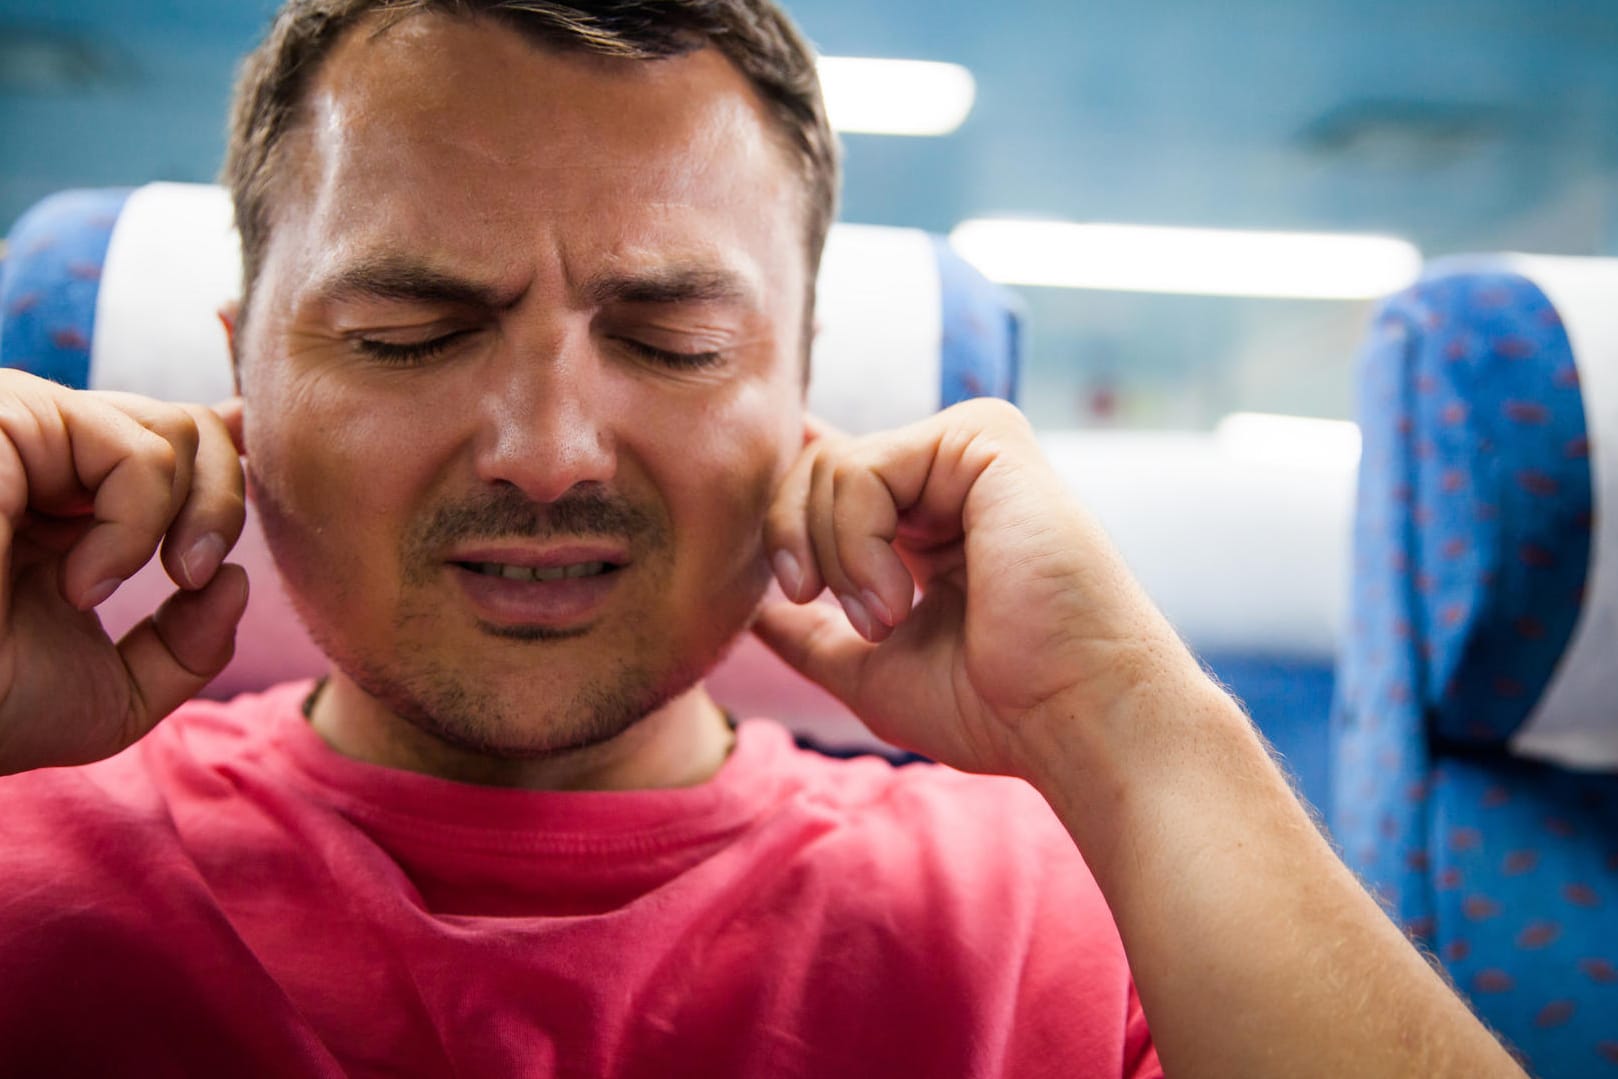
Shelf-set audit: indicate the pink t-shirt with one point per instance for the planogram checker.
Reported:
(232, 897)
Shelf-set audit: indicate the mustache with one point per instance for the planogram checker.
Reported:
(506, 513)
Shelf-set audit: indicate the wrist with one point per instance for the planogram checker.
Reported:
(1105, 762)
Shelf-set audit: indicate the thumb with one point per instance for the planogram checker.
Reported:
(816, 641)
(172, 655)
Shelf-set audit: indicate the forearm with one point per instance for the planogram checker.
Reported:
(1033, 652)
(1255, 950)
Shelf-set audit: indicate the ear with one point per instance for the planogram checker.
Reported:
(230, 409)
(229, 315)
(815, 429)
(809, 357)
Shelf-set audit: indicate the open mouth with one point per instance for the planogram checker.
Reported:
(572, 571)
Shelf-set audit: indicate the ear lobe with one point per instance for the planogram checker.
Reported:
(815, 429)
(229, 314)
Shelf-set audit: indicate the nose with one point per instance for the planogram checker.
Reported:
(547, 421)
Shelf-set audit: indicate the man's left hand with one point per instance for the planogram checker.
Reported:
(1026, 610)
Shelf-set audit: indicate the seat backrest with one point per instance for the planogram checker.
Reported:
(119, 289)
(1476, 733)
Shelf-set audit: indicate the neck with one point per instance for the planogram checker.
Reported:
(682, 744)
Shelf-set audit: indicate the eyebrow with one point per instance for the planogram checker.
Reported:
(392, 278)
(670, 285)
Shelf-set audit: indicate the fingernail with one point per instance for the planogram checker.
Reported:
(788, 572)
(200, 562)
(857, 615)
(874, 604)
(96, 596)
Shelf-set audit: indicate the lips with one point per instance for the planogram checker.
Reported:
(539, 573)
(557, 587)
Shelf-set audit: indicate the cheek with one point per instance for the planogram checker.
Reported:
(336, 466)
(728, 463)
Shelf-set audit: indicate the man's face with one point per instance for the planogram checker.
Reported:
(521, 369)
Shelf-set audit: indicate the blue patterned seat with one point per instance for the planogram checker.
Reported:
(52, 280)
(1475, 748)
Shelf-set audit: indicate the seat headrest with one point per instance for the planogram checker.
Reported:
(1574, 721)
(1489, 404)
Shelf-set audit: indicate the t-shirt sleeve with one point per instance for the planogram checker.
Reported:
(1140, 1055)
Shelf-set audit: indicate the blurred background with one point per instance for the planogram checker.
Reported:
(1275, 167)
(1457, 126)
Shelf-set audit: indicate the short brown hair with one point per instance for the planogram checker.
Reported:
(756, 36)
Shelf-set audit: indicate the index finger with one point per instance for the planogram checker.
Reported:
(930, 467)
(68, 454)
(215, 510)
(209, 488)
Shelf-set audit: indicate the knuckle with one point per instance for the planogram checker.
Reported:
(208, 423)
(821, 464)
(234, 503)
(16, 382)
(226, 514)
(158, 454)
(26, 401)
(181, 431)
(862, 486)
(167, 422)
(20, 422)
(851, 472)
(778, 526)
(995, 412)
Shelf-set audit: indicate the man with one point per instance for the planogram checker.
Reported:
(528, 290)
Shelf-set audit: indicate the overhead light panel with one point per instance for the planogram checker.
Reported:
(895, 97)
(1203, 262)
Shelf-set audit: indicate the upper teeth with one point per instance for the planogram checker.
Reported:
(539, 573)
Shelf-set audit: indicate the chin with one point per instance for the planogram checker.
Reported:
(500, 719)
(506, 713)
(512, 696)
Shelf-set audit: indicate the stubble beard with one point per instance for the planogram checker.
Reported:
(456, 706)
(470, 716)
(516, 722)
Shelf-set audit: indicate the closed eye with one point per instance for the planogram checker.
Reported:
(404, 355)
(670, 358)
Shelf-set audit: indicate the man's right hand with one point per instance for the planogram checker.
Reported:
(90, 484)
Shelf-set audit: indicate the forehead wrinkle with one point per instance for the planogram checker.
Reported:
(349, 98)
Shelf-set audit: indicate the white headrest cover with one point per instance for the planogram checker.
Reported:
(172, 263)
(1244, 547)
(1574, 723)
